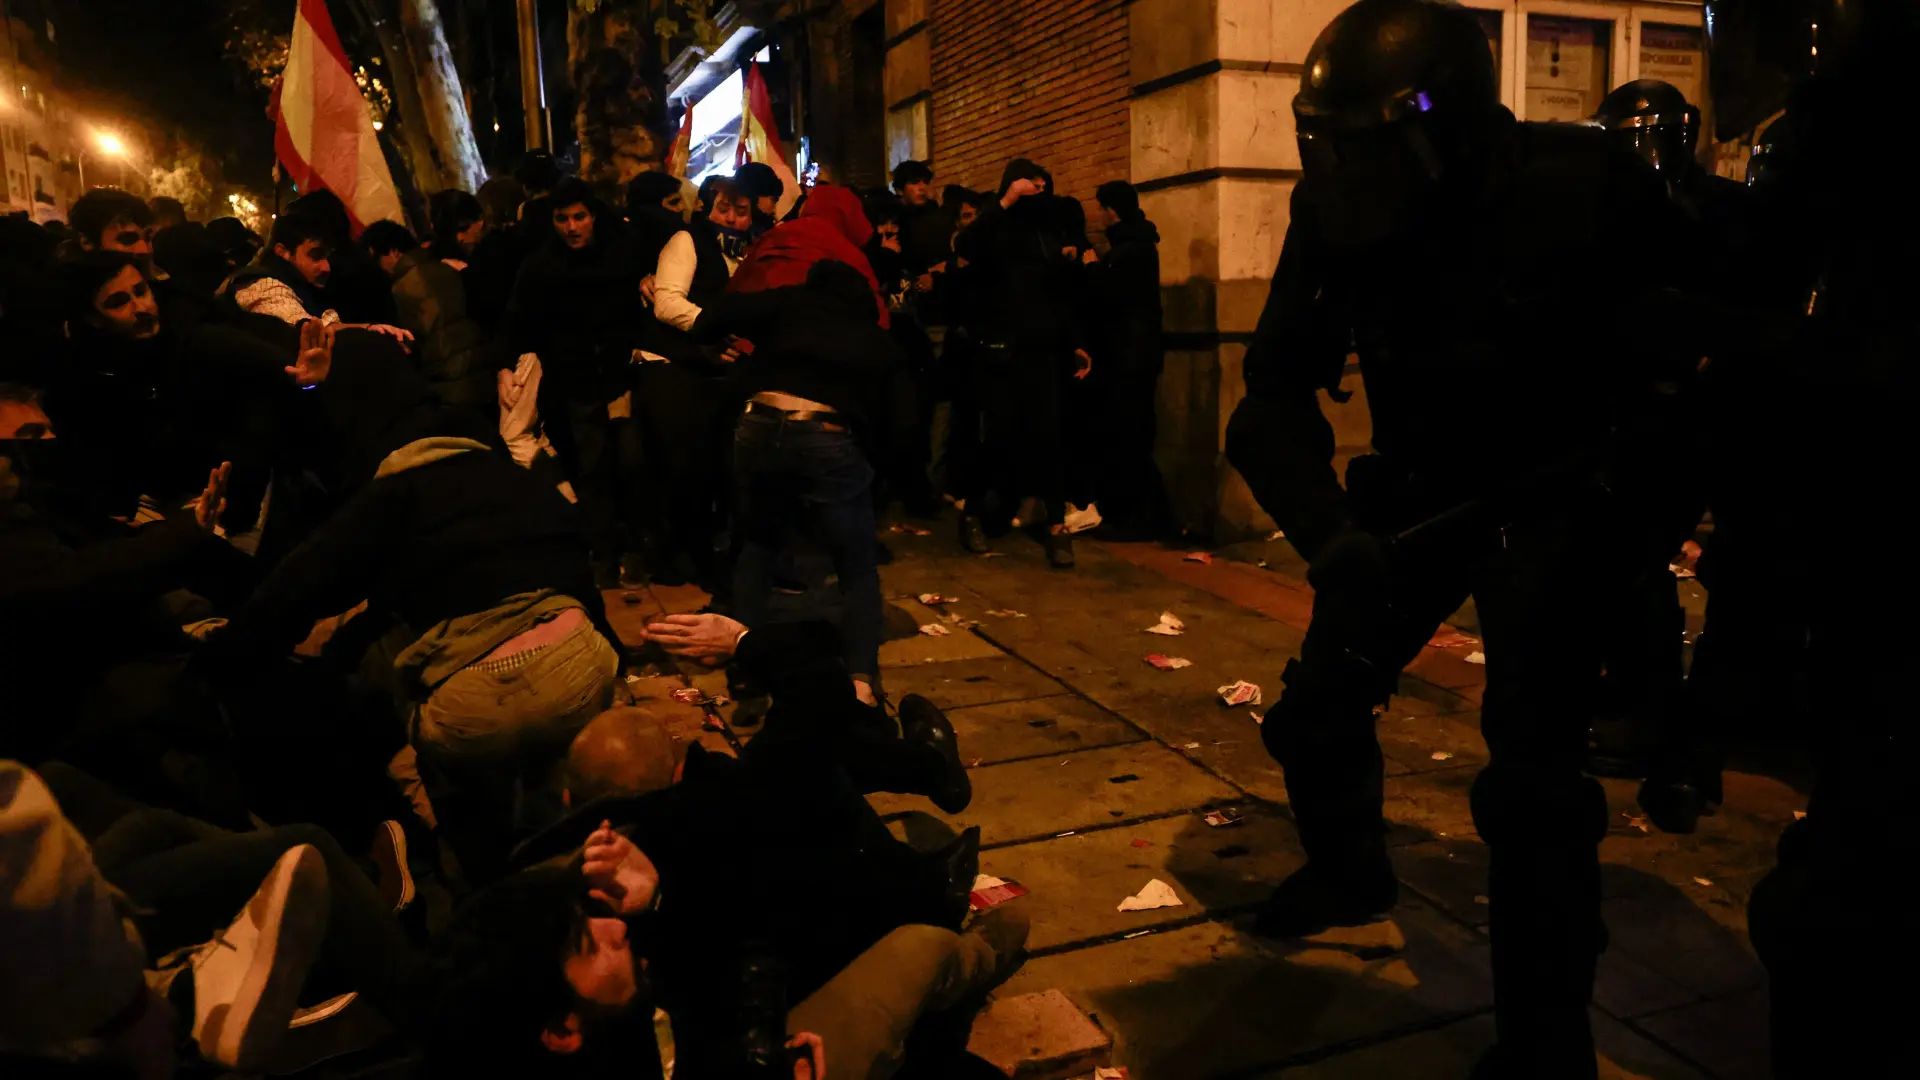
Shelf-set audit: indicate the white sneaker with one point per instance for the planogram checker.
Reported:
(1079, 521)
(246, 981)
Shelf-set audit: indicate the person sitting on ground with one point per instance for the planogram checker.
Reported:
(487, 566)
(79, 981)
(657, 899)
(121, 705)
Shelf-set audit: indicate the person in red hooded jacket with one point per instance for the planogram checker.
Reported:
(831, 227)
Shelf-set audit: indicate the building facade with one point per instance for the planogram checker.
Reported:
(1191, 100)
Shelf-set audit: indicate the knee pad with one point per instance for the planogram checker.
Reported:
(1538, 806)
(1322, 706)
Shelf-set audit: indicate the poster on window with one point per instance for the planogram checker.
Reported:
(1566, 68)
(1677, 55)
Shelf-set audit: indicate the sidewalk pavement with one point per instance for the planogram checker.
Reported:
(1092, 771)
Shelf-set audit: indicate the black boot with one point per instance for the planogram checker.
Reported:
(958, 865)
(973, 535)
(923, 722)
(1311, 901)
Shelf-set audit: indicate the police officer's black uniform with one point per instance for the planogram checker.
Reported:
(1840, 328)
(1490, 277)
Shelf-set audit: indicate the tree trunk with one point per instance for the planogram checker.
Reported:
(620, 92)
(443, 104)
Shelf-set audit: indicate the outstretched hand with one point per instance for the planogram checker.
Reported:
(709, 639)
(315, 361)
(212, 503)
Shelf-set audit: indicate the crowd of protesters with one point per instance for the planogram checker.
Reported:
(304, 540)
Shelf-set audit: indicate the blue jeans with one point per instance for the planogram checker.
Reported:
(803, 479)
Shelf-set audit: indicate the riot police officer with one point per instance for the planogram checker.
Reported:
(1648, 727)
(1840, 329)
(1490, 277)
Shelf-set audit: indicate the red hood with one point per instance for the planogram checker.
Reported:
(841, 207)
(831, 226)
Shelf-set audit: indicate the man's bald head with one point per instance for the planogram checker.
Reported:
(624, 751)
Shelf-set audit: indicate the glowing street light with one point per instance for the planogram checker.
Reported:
(110, 144)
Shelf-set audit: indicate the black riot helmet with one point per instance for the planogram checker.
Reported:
(1394, 104)
(1654, 120)
(1760, 48)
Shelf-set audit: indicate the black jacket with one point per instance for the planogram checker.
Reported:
(1507, 336)
(81, 593)
(1126, 298)
(773, 853)
(450, 348)
(820, 346)
(451, 538)
(580, 311)
(1022, 291)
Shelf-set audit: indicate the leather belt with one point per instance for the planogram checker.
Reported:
(763, 409)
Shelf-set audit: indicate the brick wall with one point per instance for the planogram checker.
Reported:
(1042, 79)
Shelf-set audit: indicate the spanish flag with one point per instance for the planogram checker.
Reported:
(682, 149)
(760, 140)
(322, 131)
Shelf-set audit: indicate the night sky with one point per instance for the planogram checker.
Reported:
(164, 61)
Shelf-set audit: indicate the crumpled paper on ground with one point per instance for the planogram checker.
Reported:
(935, 630)
(1239, 692)
(1168, 626)
(1476, 658)
(1157, 894)
(989, 891)
(933, 598)
(1168, 663)
(1199, 557)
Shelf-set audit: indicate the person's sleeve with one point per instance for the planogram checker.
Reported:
(270, 297)
(742, 314)
(329, 573)
(673, 280)
(520, 324)
(1278, 438)
(72, 964)
(151, 560)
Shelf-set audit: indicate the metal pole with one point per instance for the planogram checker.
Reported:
(532, 86)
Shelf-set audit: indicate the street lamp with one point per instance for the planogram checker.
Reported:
(109, 145)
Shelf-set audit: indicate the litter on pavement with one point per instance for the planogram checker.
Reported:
(1156, 894)
(932, 598)
(1258, 718)
(1476, 658)
(989, 891)
(1239, 692)
(693, 695)
(1104, 1073)
(1220, 819)
(1190, 746)
(1168, 626)
(934, 629)
(1441, 755)
(1277, 534)
(1199, 557)
(1168, 663)
(1449, 638)
(1702, 881)
(1142, 843)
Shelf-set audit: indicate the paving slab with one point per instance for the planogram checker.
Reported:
(1448, 1052)
(1075, 883)
(1040, 1036)
(961, 683)
(1726, 1035)
(990, 734)
(1208, 1000)
(1039, 797)
(1430, 806)
(957, 644)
